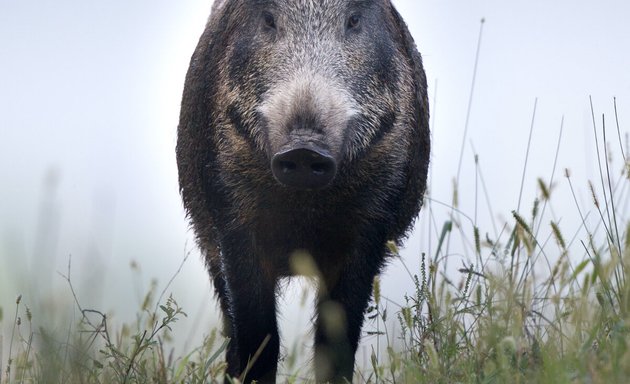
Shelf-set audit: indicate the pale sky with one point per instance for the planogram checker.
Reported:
(89, 100)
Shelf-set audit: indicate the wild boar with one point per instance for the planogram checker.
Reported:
(303, 128)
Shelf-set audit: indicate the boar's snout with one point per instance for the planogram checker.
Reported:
(304, 167)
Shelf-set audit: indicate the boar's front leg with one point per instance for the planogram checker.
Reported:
(251, 311)
(343, 300)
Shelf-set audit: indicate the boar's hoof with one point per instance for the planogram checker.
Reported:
(304, 167)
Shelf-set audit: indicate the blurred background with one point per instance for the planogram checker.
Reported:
(89, 103)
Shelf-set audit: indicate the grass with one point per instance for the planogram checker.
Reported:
(89, 352)
(530, 305)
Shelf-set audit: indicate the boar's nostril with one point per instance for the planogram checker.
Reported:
(304, 168)
(287, 166)
(320, 168)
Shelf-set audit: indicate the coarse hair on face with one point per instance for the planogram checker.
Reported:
(307, 106)
(330, 67)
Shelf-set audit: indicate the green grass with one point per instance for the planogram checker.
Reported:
(529, 305)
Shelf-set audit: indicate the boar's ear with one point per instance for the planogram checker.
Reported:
(409, 46)
(204, 71)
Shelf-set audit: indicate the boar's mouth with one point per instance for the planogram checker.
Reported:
(304, 167)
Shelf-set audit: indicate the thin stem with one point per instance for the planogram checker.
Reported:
(529, 143)
(470, 100)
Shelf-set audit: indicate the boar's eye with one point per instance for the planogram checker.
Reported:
(354, 21)
(269, 20)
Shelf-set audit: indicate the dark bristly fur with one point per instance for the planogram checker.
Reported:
(269, 75)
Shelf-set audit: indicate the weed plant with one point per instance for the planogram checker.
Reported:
(90, 352)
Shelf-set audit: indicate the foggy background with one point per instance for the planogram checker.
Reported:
(89, 103)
